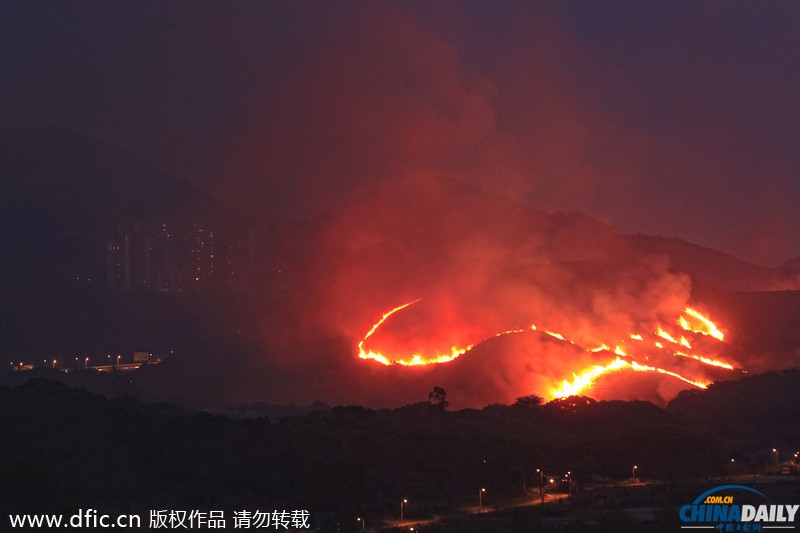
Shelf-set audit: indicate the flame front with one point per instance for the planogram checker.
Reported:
(586, 378)
(414, 359)
(710, 329)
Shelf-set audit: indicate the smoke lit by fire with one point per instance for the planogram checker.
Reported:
(583, 378)
(431, 281)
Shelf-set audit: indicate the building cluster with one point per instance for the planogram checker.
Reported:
(185, 256)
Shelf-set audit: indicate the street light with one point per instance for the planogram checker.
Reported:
(480, 497)
(86, 363)
(633, 471)
(402, 504)
(541, 484)
(363, 524)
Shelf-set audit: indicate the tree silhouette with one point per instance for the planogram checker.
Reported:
(528, 402)
(438, 396)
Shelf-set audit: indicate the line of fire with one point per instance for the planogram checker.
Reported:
(685, 338)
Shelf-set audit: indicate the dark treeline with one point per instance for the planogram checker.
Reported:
(64, 449)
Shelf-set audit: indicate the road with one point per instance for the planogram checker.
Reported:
(414, 525)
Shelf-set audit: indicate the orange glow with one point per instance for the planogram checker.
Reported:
(706, 360)
(666, 336)
(601, 348)
(585, 377)
(581, 382)
(413, 359)
(710, 329)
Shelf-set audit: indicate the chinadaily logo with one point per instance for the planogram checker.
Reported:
(737, 508)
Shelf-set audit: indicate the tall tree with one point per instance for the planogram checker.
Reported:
(438, 396)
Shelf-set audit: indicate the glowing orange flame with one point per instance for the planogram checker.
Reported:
(587, 377)
(601, 348)
(414, 359)
(706, 360)
(417, 359)
(585, 380)
(666, 336)
(710, 329)
(385, 316)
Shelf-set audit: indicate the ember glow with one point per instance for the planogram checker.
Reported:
(707, 328)
(414, 359)
(585, 377)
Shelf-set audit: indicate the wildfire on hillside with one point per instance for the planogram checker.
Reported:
(660, 351)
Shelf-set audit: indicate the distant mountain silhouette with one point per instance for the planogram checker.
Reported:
(62, 192)
(716, 268)
(765, 405)
(62, 195)
(791, 264)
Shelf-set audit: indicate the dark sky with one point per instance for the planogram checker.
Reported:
(671, 118)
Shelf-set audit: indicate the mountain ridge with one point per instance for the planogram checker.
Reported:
(83, 188)
(57, 230)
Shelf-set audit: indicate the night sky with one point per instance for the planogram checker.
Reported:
(671, 118)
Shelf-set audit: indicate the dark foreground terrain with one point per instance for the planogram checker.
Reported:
(66, 449)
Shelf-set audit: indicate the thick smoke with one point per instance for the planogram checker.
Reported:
(380, 96)
(420, 161)
(484, 265)
(517, 100)
(391, 123)
(663, 120)
(421, 129)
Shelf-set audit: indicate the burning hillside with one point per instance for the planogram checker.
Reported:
(438, 282)
(634, 352)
